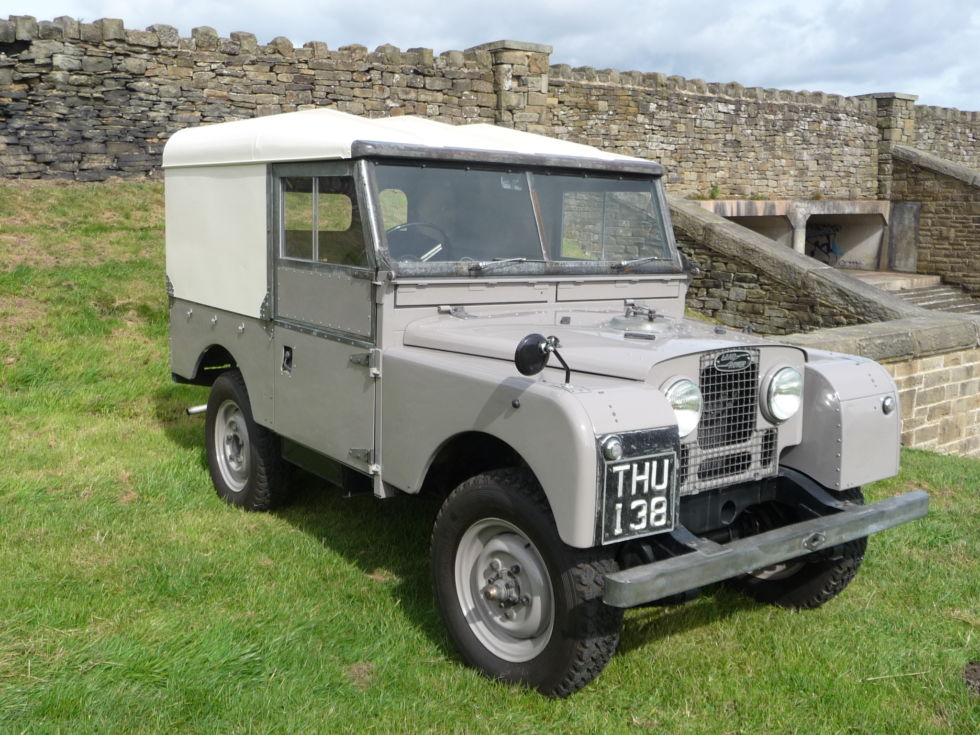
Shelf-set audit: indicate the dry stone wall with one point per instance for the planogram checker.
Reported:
(950, 134)
(93, 100)
(723, 140)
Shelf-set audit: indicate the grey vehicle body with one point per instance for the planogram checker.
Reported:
(400, 366)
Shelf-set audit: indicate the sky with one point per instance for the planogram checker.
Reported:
(927, 48)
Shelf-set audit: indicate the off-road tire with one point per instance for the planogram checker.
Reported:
(245, 459)
(510, 509)
(817, 579)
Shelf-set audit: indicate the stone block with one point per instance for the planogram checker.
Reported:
(282, 46)
(133, 65)
(25, 27)
(44, 50)
(148, 39)
(420, 56)
(69, 27)
(90, 33)
(168, 35)
(205, 38)
(96, 64)
(247, 42)
(65, 62)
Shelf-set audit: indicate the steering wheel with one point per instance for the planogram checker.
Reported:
(409, 244)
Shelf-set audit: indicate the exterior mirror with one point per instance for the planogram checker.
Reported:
(532, 354)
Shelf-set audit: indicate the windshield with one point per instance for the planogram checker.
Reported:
(442, 219)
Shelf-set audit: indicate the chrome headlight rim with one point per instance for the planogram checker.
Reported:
(782, 398)
(680, 391)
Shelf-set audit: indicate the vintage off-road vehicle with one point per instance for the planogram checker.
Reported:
(499, 316)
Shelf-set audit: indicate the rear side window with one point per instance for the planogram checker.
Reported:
(320, 221)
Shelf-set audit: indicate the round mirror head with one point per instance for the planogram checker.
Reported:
(532, 354)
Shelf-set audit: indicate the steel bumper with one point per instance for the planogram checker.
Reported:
(710, 562)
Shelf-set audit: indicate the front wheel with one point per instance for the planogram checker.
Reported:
(518, 603)
(244, 459)
(809, 581)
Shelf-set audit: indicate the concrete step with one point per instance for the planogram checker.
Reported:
(929, 292)
(892, 281)
(942, 298)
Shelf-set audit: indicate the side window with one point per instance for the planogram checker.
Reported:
(320, 221)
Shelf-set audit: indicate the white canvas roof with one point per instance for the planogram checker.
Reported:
(328, 134)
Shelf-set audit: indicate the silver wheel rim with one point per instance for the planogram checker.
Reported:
(504, 590)
(232, 446)
(777, 571)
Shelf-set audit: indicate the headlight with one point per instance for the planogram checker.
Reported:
(784, 396)
(685, 399)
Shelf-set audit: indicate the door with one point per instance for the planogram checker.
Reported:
(325, 389)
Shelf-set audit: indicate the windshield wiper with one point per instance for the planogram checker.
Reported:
(487, 264)
(627, 264)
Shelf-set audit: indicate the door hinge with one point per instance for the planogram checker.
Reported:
(370, 360)
(367, 457)
(362, 455)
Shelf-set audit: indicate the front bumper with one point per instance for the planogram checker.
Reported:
(710, 562)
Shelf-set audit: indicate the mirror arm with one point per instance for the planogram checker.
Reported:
(553, 348)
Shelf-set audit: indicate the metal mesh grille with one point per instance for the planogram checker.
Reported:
(730, 447)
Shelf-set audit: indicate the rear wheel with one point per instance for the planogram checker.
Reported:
(245, 459)
(518, 603)
(811, 580)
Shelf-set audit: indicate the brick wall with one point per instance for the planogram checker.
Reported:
(940, 400)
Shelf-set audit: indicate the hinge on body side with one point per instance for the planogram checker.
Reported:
(367, 457)
(362, 455)
(370, 359)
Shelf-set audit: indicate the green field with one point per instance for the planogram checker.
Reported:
(132, 600)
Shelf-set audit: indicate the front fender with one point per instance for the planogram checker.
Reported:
(848, 438)
(428, 397)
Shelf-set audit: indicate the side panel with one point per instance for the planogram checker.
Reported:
(328, 298)
(196, 327)
(217, 237)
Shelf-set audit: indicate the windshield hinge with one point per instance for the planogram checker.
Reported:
(459, 312)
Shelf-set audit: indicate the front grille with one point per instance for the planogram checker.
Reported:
(730, 447)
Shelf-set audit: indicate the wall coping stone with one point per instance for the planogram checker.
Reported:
(943, 166)
(537, 48)
(897, 340)
(888, 96)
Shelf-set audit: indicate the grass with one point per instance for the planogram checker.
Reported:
(132, 600)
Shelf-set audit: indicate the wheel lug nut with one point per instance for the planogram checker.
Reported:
(495, 565)
(516, 569)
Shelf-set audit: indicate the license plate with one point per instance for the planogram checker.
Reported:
(639, 497)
